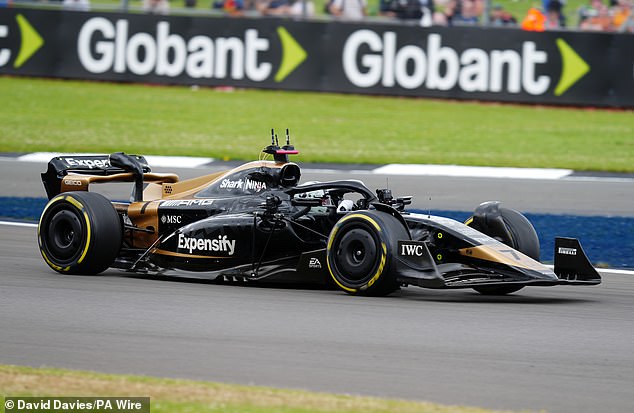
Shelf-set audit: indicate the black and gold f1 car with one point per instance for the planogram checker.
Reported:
(257, 222)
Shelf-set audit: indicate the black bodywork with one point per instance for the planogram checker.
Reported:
(257, 222)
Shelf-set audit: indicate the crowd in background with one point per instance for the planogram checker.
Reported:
(596, 15)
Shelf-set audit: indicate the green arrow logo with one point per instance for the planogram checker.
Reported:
(292, 54)
(31, 41)
(573, 67)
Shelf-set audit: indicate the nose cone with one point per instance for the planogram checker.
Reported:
(502, 254)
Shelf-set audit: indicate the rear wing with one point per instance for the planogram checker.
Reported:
(94, 165)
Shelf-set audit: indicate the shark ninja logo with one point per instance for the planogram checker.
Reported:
(247, 185)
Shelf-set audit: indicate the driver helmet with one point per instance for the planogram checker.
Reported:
(345, 206)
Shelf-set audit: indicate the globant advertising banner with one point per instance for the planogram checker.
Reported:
(508, 65)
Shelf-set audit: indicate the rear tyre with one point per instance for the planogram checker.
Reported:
(361, 252)
(523, 238)
(79, 233)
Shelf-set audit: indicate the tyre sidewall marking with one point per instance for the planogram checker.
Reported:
(379, 271)
(82, 210)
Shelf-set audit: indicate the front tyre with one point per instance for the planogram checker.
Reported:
(361, 252)
(79, 233)
(520, 235)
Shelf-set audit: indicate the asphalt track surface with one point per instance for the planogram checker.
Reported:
(564, 349)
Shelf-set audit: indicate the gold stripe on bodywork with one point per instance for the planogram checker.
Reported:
(504, 255)
(188, 188)
(81, 182)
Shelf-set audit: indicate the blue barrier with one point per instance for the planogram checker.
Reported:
(608, 241)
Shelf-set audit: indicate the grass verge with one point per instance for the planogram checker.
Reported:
(57, 115)
(184, 396)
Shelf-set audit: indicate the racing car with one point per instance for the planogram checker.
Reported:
(258, 222)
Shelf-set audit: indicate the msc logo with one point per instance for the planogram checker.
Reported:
(370, 59)
(171, 219)
(105, 46)
(31, 42)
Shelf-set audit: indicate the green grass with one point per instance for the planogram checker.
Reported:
(57, 115)
(187, 396)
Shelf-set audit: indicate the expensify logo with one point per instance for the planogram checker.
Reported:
(370, 59)
(30, 43)
(104, 46)
(220, 244)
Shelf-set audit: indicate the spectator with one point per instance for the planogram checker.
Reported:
(76, 5)
(273, 7)
(623, 20)
(588, 11)
(534, 21)
(464, 12)
(350, 10)
(422, 10)
(556, 7)
(598, 18)
(231, 7)
(156, 6)
(501, 17)
(297, 8)
(554, 18)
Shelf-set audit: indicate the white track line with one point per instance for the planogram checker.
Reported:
(19, 224)
(604, 271)
(473, 171)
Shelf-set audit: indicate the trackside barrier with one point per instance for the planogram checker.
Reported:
(508, 65)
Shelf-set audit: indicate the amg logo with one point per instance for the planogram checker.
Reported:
(567, 251)
(88, 163)
(221, 244)
(246, 184)
(314, 263)
(187, 202)
(412, 250)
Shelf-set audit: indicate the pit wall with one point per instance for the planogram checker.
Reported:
(494, 64)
